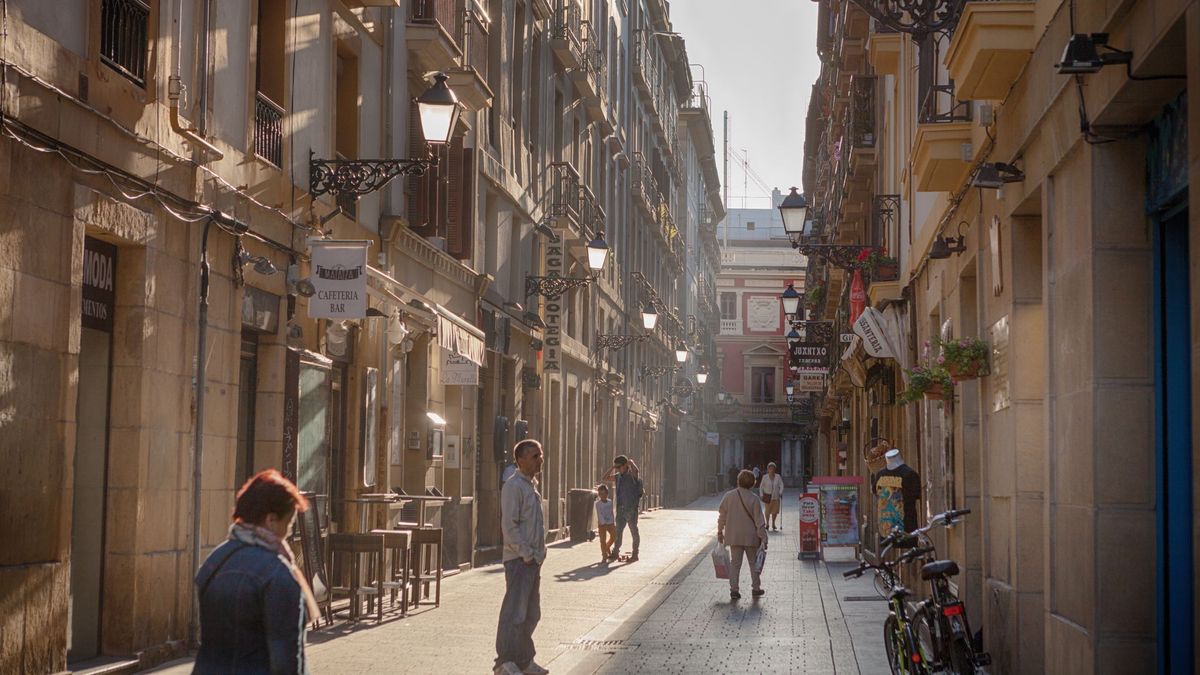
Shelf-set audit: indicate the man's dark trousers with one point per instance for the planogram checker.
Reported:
(627, 515)
(519, 613)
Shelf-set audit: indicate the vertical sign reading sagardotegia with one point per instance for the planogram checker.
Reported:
(339, 275)
(552, 359)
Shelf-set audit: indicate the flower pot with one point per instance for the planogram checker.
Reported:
(934, 392)
(970, 372)
(886, 272)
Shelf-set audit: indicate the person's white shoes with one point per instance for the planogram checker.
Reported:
(534, 669)
(507, 668)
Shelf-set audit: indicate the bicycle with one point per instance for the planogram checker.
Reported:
(943, 631)
(903, 649)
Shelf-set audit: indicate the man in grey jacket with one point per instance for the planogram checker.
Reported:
(524, 551)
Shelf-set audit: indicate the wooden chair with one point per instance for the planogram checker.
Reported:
(427, 563)
(364, 553)
(312, 547)
(398, 545)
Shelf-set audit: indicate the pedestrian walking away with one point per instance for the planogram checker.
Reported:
(254, 602)
(605, 521)
(524, 533)
(741, 526)
(628, 487)
(771, 492)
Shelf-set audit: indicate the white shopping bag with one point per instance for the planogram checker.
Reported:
(760, 560)
(720, 558)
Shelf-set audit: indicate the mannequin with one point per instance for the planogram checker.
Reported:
(897, 489)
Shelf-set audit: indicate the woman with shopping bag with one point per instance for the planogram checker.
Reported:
(741, 526)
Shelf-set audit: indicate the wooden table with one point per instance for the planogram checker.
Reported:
(369, 501)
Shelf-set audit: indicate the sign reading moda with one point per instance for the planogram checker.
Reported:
(339, 275)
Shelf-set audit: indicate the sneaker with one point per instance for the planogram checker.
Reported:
(734, 595)
(507, 668)
(534, 669)
(758, 592)
(633, 558)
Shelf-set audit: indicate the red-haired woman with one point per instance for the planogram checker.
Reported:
(254, 603)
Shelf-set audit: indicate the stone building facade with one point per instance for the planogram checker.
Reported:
(154, 153)
(1047, 214)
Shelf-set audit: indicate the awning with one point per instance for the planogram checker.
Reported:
(395, 295)
(460, 337)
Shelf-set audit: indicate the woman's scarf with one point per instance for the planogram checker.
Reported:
(256, 535)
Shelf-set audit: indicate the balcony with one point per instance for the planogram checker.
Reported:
(731, 327)
(990, 47)
(433, 27)
(589, 77)
(645, 187)
(645, 74)
(938, 164)
(124, 31)
(566, 38)
(469, 80)
(883, 51)
(268, 129)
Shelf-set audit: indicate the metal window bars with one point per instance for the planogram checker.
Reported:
(268, 129)
(124, 37)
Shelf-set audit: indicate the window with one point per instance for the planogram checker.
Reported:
(247, 391)
(269, 81)
(728, 306)
(762, 384)
(749, 225)
(124, 34)
(313, 446)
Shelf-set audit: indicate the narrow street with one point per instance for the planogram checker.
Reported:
(665, 613)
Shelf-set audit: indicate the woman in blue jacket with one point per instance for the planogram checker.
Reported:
(254, 602)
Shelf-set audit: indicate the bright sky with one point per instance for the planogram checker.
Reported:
(759, 58)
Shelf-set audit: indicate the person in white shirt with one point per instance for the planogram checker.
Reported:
(524, 532)
(605, 521)
(771, 491)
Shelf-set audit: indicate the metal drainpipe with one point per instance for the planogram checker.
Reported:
(206, 30)
(198, 438)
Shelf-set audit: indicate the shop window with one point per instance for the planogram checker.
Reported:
(313, 447)
(762, 384)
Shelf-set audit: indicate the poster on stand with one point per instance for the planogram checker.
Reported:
(810, 526)
(838, 497)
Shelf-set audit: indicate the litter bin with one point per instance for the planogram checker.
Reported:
(580, 513)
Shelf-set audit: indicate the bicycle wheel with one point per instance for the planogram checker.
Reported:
(962, 657)
(893, 639)
(928, 636)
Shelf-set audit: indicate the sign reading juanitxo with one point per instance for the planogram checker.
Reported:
(811, 356)
(99, 284)
(339, 275)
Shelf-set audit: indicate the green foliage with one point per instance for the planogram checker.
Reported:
(922, 378)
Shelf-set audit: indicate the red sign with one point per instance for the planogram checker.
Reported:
(810, 529)
(858, 296)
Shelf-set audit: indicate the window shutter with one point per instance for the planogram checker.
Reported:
(458, 201)
(419, 190)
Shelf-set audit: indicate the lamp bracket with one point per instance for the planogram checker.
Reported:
(357, 177)
(844, 256)
(615, 342)
(915, 17)
(553, 286)
(672, 323)
(657, 371)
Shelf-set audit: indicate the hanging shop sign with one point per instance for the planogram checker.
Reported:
(810, 526)
(810, 356)
(459, 370)
(459, 337)
(852, 363)
(339, 276)
(99, 284)
(871, 327)
(809, 382)
(552, 347)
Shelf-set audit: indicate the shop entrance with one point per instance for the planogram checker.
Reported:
(761, 450)
(91, 449)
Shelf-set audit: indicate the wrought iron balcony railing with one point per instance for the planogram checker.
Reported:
(564, 191)
(268, 129)
(862, 111)
(476, 43)
(940, 106)
(124, 37)
(568, 26)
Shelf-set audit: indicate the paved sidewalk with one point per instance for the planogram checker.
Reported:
(665, 613)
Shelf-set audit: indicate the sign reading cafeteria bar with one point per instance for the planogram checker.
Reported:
(339, 275)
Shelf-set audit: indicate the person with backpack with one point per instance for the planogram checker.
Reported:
(741, 526)
(628, 488)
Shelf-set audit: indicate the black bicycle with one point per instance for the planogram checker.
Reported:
(905, 656)
(943, 631)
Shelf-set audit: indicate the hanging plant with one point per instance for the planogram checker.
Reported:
(928, 380)
(814, 295)
(964, 358)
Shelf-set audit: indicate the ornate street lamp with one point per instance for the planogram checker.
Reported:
(793, 336)
(649, 316)
(597, 250)
(793, 208)
(681, 352)
(349, 179)
(702, 375)
(790, 300)
(790, 388)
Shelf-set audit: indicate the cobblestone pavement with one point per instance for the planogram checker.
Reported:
(665, 613)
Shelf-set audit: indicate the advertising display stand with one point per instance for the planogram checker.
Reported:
(810, 526)
(838, 501)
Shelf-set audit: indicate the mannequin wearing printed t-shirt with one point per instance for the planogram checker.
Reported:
(897, 489)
